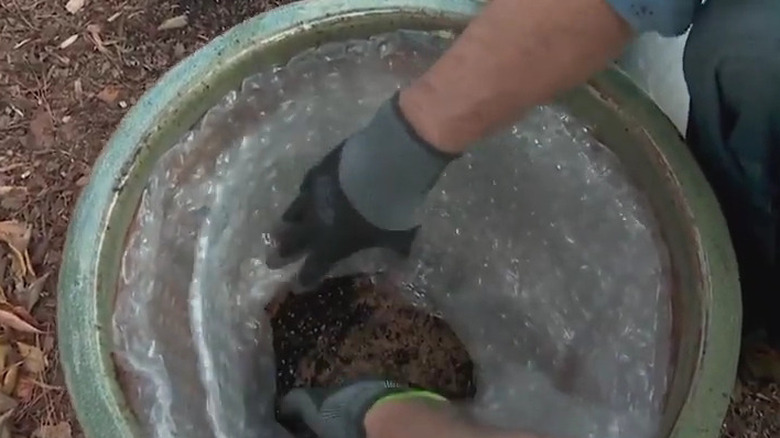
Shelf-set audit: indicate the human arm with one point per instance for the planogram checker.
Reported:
(517, 54)
(368, 191)
(420, 419)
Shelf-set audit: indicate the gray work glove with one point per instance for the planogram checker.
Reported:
(365, 193)
(340, 412)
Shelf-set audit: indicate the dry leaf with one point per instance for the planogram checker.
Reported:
(77, 87)
(18, 263)
(17, 236)
(81, 182)
(173, 23)
(74, 6)
(34, 360)
(60, 430)
(4, 350)
(28, 263)
(109, 94)
(10, 318)
(4, 424)
(7, 403)
(94, 32)
(25, 389)
(70, 40)
(10, 379)
(33, 292)
(48, 343)
(21, 312)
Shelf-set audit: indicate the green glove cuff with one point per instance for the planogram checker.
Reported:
(413, 394)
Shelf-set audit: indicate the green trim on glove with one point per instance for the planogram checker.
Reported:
(410, 395)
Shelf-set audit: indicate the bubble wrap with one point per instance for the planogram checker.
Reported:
(535, 247)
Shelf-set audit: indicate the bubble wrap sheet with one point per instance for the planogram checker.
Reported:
(535, 247)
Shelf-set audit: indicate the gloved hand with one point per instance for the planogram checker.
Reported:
(365, 193)
(340, 412)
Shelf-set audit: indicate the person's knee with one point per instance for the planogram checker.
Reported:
(727, 31)
(732, 66)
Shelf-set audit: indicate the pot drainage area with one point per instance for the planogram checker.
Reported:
(537, 291)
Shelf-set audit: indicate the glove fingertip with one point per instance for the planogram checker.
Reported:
(401, 241)
(298, 406)
(297, 210)
(292, 403)
(325, 253)
(311, 273)
(289, 244)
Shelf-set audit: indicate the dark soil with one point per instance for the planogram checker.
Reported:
(353, 328)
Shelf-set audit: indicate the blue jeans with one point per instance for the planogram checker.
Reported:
(732, 68)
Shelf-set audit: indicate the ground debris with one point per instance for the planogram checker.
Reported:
(74, 6)
(109, 94)
(17, 318)
(5, 431)
(4, 350)
(16, 235)
(753, 412)
(59, 430)
(67, 42)
(25, 388)
(33, 358)
(12, 197)
(176, 22)
(10, 379)
(760, 361)
(7, 403)
(42, 130)
(32, 293)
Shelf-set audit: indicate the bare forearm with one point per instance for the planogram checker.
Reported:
(517, 54)
(423, 420)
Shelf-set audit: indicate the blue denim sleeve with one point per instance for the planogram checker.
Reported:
(667, 17)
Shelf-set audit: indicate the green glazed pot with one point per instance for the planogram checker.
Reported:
(706, 301)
